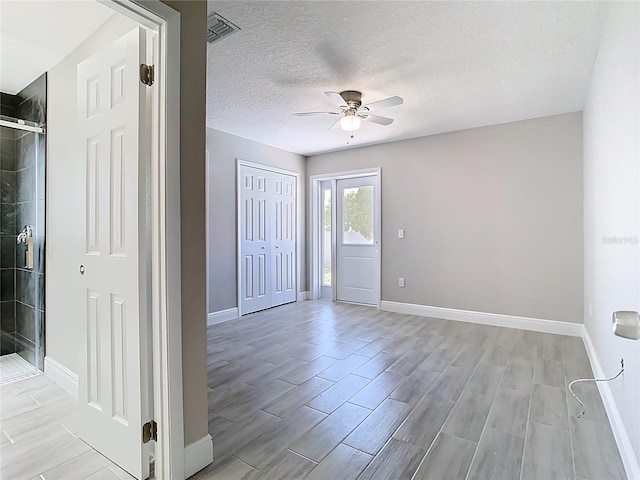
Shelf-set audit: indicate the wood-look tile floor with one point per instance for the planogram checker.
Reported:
(36, 439)
(328, 391)
(335, 392)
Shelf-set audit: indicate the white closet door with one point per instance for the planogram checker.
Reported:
(109, 268)
(283, 245)
(255, 244)
(267, 266)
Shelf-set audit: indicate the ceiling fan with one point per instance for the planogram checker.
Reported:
(353, 112)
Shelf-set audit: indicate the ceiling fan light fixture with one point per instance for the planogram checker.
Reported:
(350, 122)
(353, 112)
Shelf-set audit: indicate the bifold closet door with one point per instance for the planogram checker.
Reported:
(283, 239)
(267, 265)
(254, 272)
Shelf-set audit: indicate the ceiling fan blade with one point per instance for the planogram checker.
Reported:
(335, 125)
(336, 98)
(387, 102)
(303, 114)
(378, 119)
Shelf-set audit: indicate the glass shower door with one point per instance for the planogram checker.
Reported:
(22, 178)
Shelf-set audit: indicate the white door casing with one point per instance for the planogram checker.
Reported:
(113, 378)
(267, 238)
(357, 256)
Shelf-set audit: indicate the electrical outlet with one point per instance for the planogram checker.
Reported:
(401, 233)
(401, 282)
(590, 310)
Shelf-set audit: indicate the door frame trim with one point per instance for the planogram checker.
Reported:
(316, 231)
(164, 210)
(246, 163)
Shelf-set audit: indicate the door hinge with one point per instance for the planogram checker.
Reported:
(146, 74)
(149, 431)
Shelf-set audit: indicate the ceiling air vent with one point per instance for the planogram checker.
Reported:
(219, 27)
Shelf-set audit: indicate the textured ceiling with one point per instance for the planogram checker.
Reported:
(36, 35)
(456, 64)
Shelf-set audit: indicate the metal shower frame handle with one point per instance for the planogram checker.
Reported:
(19, 124)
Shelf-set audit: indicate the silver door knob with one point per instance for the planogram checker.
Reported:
(81, 269)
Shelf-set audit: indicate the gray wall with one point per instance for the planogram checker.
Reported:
(492, 217)
(612, 207)
(193, 64)
(223, 149)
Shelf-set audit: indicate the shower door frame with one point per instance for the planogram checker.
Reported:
(39, 342)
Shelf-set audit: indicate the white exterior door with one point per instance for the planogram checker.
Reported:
(111, 267)
(357, 243)
(267, 231)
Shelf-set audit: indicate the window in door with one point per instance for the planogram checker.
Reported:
(357, 218)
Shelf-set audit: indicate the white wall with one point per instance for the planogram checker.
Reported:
(612, 210)
(492, 217)
(62, 321)
(224, 149)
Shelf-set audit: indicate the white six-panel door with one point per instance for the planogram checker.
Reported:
(357, 231)
(267, 229)
(113, 401)
(283, 239)
(255, 245)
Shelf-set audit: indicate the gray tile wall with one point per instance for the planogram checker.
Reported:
(22, 177)
(8, 105)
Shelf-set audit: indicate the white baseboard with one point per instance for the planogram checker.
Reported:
(222, 316)
(629, 458)
(198, 455)
(60, 374)
(302, 296)
(495, 319)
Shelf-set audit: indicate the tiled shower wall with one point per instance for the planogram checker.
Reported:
(7, 226)
(22, 177)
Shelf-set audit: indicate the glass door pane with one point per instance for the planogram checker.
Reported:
(357, 219)
(326, 237)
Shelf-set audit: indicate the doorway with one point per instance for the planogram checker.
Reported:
(22, 167)
(345, 237)
(158, 179)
